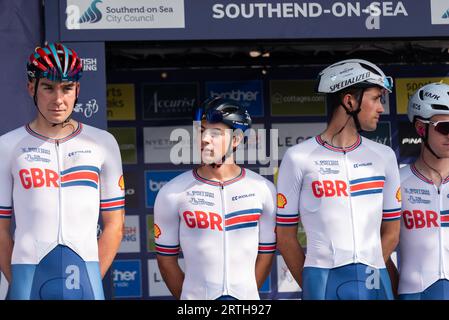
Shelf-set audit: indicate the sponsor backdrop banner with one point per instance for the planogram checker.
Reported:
(91, 106)
(381, 134)
(294, 133)
(126, 139)
(115, 20)
(296, 97)
(406, 87)
(145, 145)
(248, 93)
(121, 102)
(169, 101)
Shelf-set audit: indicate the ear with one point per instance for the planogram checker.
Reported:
(420, 128)
(348, 101)
(30, 87)
(237, 138)
(78, 86)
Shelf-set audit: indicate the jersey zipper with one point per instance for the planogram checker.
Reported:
(60, 237)
(440, 234)
(354, 241)
(223, 208)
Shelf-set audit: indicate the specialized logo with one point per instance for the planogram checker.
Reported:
(349, 82)
(92, 14)
(398, 195)
(281, 201)
(157, 231)
(121, 183)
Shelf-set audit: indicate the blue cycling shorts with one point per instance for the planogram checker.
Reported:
(439, 290)
(60, 275)
(350, 282)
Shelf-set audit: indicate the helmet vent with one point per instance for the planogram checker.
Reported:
(439, 107)
(421, 94)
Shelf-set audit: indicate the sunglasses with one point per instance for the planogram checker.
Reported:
(440, 126)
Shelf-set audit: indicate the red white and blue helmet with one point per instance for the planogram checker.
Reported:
(55, 62)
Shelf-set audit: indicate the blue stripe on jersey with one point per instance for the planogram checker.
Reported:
(79, 183)
(391, 210)
(237, 213)
(443, 213)
(240, 226)
(445, 224)
(112, 199)
(361, 193)
(113, 208)
(367, 179)
(81, 168)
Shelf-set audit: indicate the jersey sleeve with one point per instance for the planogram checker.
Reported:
(392, 190)
(6, 186)
(112, 185)
(267, 235)
(288, 188)
(166, 222)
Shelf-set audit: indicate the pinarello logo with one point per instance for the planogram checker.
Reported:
(282, 200)
(121, 183)
(157, 231)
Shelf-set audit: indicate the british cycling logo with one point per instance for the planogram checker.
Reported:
(92, 14)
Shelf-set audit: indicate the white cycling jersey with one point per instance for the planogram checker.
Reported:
(423, 254)
(56, 188)
(342, 197)
(220, 228)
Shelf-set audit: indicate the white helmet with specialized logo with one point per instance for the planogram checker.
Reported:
(429, 100)
(352, 73)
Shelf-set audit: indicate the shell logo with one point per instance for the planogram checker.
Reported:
(157, 231)
(282, 200)
(121, 183)
(398, 195)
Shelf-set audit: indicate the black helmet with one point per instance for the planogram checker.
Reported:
(226, 111)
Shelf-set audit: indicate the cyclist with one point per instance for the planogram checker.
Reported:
(345, 189)
(423, 253)
(221, 215)
(57, 175)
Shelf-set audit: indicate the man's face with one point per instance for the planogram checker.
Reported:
(216, 140)
(55, 100)
(372, 108)
(439, 142)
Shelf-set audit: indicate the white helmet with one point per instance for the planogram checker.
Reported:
(352, 72)
(429, 100)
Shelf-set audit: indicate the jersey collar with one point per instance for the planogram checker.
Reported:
(51, 140)
(338, 149)
(420, 176)
(217, 183)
